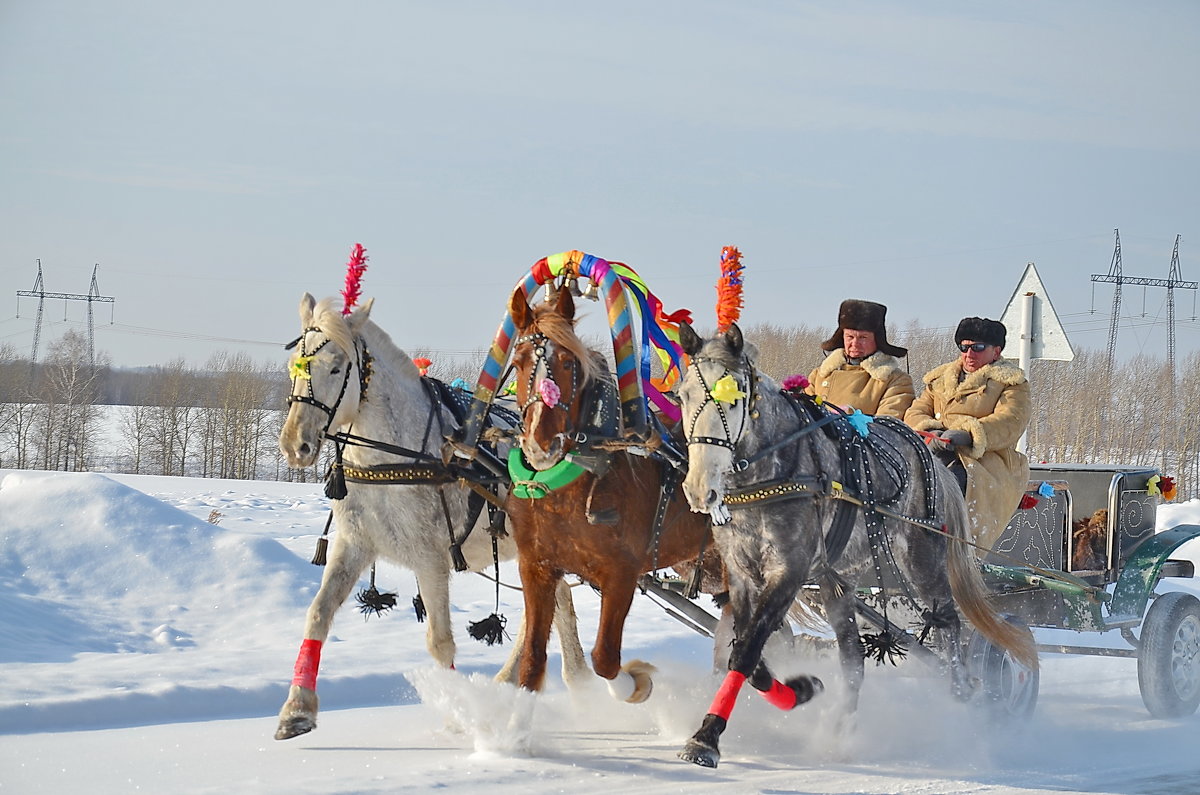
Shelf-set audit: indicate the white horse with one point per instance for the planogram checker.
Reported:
(348, 375)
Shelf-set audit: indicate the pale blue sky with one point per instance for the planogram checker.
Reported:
(218, 159)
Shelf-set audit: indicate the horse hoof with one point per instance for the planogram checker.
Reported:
(806, 688)
(294, 727)
(700, 754)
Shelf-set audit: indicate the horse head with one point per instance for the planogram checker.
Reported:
(552, 368)
(715, 396)
(329, 373)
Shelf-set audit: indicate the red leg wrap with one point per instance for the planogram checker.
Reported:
(780, 695)
(307, 663)
(727, 693)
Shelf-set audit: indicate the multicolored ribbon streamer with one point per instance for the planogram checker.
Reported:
(617, 282)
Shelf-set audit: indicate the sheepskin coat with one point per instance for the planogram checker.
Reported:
(879, 385)
(992, 404)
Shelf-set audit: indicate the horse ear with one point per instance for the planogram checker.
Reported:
(689, 340)
(359, 316)
(519, 310)
(565, 305)
(307, 302)
(733, 338)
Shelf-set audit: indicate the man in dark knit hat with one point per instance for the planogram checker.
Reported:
(862, 370)
(978, 405)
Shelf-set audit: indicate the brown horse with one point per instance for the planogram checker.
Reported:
(600, 524)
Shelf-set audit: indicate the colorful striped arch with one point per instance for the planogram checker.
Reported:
(618, 283)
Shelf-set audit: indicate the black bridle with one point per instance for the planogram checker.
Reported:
(541, 363)
(361, 361)
(730, 439)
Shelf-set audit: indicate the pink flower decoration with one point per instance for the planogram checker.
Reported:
(795, 383)
(549, 392)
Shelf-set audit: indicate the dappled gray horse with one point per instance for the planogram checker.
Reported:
(799, 493)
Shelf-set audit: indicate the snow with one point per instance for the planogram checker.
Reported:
(146, 648)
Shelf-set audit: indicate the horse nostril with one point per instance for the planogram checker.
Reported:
(304, 448)
(712, 497)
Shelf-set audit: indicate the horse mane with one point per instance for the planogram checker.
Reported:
(329, 318)
(561, 331)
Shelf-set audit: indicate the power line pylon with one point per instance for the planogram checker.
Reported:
(1116, 277)
(39, 292)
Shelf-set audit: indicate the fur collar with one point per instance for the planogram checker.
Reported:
(878, 365)
(945, 378)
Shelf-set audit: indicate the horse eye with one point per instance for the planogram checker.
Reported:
(335, 371)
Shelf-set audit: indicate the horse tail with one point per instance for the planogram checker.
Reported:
(972, 598)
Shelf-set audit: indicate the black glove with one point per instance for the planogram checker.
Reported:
(948, 440)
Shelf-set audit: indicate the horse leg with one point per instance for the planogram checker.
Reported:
(434, 584)
(839, 611)
(632, 682)
(299, 712)
(538, 586)
(566, 624)
(746, 663)
(574, 665)
(723, 638)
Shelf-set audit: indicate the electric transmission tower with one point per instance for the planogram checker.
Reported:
(1169, 429)
(39, 292)
(1117, 278)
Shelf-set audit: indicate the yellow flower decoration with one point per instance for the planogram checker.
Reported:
(299, 368)
(726, 390)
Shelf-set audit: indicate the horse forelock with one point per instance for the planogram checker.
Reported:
(561, 332)
(333, 324)
(719, 351)
(330, 322)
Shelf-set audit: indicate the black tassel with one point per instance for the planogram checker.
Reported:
(456, 555)
(884, 647)
(335, 481)
(323, 543)
(490, 630)
(370, 600)
(322, 548)
(419, 608)
(941, 616)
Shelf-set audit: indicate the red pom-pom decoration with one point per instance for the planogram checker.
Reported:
(795, 383)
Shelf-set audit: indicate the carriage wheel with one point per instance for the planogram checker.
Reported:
(1169, 656)
(1007, 690)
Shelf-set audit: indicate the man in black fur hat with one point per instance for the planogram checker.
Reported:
(862, 370)
(978, 405)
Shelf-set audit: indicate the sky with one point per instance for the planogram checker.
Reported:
(146, 648)
(217, 160)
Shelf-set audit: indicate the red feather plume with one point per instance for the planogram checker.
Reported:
(355, 268)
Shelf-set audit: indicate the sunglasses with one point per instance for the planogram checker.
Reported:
(978, 347)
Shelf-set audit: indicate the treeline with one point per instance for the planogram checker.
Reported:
(223, 420)
(219, 421)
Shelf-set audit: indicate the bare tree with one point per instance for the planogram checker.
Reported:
(65, 420)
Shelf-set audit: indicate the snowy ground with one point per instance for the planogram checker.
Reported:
(145, 648)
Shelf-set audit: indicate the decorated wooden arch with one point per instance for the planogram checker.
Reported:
(625, 295)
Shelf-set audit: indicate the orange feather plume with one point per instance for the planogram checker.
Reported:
(729, 288)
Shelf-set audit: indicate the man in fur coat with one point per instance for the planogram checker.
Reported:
(861, 370)
(979, 404)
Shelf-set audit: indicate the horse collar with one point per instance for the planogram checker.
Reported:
(531, 484)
